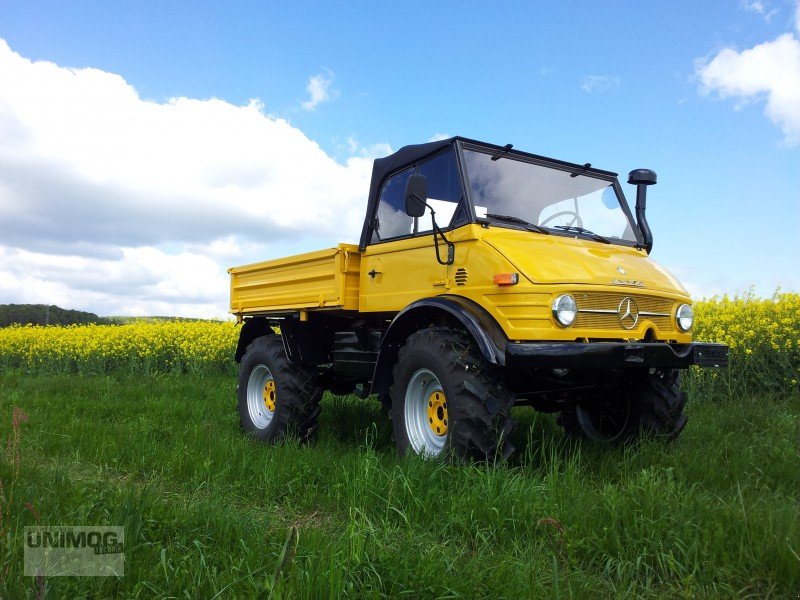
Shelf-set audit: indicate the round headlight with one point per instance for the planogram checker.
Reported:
(684, 317)
(565, 310)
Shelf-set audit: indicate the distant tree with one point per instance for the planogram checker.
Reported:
(42, 314)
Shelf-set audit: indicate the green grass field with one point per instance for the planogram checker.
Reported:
(209, 513)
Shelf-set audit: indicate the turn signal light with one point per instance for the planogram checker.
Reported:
(506, 279)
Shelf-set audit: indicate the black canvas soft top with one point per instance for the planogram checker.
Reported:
(407, 155)
(384, 166)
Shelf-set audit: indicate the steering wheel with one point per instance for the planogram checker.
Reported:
(576, 218)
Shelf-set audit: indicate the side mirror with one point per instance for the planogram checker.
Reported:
(416, 195)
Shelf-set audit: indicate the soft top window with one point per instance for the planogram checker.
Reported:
(444, 196)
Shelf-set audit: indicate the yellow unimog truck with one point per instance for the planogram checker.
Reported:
(485, 277)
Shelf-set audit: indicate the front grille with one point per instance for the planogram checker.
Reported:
(600, 310)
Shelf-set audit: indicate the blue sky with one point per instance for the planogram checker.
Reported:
(178, 141)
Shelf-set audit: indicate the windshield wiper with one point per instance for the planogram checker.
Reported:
(510, 219)
(592, 234)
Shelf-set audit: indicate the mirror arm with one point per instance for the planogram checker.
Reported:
(451, 249)
(437, 233)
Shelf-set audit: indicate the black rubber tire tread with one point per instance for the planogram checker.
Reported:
(657, 404)
(297, 394)
(479, 403)
(662, 402)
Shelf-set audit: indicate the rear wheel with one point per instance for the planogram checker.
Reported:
(447, 401)
(621, 412)
(275, 396)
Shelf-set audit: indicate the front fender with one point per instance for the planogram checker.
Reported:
(445, 309)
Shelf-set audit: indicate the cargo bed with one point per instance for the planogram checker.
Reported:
(325, 279)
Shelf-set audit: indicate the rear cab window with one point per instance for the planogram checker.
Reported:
(444, 197)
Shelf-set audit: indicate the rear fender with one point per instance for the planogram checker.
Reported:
(252, 329)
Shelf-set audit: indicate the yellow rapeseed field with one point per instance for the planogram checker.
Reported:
(763, 335)
(139, 347)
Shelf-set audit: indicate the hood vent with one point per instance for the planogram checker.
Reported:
(461, 276)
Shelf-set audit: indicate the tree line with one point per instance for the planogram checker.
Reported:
(43, 314)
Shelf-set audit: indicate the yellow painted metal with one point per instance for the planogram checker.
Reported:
(598, 276)
(324, 279)
(389, 276)
(269, 395)
(396, 273)
(437, 413)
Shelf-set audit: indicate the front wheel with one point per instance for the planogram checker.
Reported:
(623, 411)
(275, 396)
(447, 401)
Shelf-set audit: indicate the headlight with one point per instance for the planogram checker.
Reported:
(565, 310)
(684, 317)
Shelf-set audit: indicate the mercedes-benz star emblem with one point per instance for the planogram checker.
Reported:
(628, 313)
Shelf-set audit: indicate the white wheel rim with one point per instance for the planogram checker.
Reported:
(259, 386)
(424, 389)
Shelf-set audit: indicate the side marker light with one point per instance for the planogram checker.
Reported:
(506, 279)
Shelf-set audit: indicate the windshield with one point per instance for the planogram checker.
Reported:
(512, 191)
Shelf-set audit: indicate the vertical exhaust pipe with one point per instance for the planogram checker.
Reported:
(641, 178)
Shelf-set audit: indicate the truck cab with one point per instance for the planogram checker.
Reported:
(484, 277)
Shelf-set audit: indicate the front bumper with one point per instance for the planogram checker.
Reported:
(614, 355)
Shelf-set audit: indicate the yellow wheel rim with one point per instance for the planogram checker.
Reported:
(269, 395)
(437, 413)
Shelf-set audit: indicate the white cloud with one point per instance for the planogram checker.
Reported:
(370, 152)
(115, 204)
(600, 83)
(142, 281)
(753, 6)
(319, 90)
(440, 136)
(759, 7)
(797, 16)
(768, 71)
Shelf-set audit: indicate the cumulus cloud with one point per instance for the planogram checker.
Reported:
(319, 90)
(116, 204)
(600, 83)
(768, 72)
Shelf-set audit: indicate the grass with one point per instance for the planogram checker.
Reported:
(209, 513)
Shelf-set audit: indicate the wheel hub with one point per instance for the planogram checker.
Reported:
(437, 413)
(261, 396)
(425, 413)
(269, 395)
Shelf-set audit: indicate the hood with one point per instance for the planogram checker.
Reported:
(556, 259)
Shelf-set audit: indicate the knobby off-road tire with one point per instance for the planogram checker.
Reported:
(447, 401)
(275, 396)
(649, 405)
